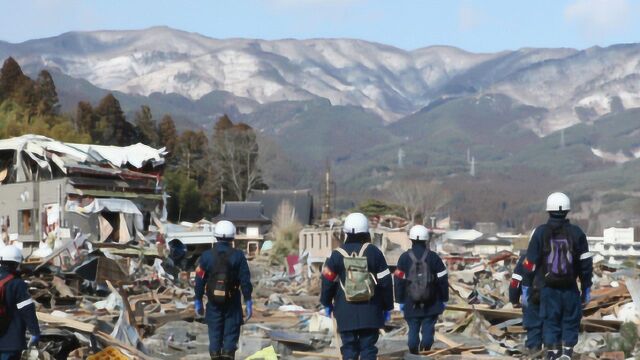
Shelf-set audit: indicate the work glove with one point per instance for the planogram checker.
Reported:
(328, 310)
(387, 316)
(525, 296)
(586, 296)
(35, 339)
(401, 308)
(199, 308)
(249, 304)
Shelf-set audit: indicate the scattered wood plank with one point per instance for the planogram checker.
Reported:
(315, 355)
(109, 340)
(67, 323)
(445, 339)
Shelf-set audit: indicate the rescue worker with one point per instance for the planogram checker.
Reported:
(522, 293)
(224, 317)
(20, 308)
(358, 321)
(559, 250)
(421, 289)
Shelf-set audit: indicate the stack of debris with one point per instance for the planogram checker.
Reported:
(110, 300)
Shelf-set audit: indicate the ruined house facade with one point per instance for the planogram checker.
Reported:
(50, 189)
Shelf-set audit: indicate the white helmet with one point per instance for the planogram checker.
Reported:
(419, 233)
(558, 202)
(356, 223)
(224, 230)
(11, 253)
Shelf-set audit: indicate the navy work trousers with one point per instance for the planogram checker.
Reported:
(561, 311)
(224, 327)
(359, 344)
(425, 326)
(532, 322)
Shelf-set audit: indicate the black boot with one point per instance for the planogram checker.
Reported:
(553, 352)
(567, 352)
(534, 353)
(215, 355)
(414, 351)
(228, 355)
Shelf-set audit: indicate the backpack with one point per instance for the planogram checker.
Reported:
(4, 316)
(559, 258)
(421, 280)
(359, 284)
(219, 283)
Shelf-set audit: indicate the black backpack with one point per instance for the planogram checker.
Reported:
(4, 316)
(421, 280)
(220, 285)
(559, 259)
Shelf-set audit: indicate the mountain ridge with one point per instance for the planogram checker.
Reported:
(388, 80)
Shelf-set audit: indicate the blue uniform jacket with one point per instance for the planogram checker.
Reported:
(583, 262)
(518, 280)
(364, 315)
(239, 272)
(22, 312)
(437, 267)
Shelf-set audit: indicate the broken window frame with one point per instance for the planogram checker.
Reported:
(21, 229)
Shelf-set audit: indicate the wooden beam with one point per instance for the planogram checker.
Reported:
(65, 322)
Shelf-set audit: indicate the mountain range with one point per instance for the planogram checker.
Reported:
(558, 118)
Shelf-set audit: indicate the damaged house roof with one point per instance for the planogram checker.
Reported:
(300, 200)
(53, 156)
(243, 212)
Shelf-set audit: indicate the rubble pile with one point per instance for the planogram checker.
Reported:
(124, 301)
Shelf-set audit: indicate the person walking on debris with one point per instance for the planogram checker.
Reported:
(560, 252)
(522, 292)
(421, 288)
(357, 288)
(17, 309)
(221, 273)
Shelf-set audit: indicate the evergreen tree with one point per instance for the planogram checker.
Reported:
(85, 118)
(148, 133)
(112, 127)
(12, 80)
(168, 135)
(46, 94)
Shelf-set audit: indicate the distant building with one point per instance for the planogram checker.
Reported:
(50, 189)
(318, 243)
(617, 243)
(251, 224)
(474, 242)
(392, 243)
(300, 200)
(487, 228)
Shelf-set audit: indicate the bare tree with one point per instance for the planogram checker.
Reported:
(235, 153)
(419, 199)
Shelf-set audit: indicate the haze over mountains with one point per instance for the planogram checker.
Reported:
(356, 103)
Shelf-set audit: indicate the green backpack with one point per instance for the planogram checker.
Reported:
(359, 284)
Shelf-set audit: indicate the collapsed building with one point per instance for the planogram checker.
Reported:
(50, 189)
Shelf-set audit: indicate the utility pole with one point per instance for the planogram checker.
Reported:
(472, 170)
(401, 158)
(326, 206)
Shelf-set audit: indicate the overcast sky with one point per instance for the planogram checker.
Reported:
(479, 26)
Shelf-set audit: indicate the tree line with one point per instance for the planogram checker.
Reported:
(200, 169)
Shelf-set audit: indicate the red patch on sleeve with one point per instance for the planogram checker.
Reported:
(329, 274)
(399, 274)
(200, 272)
(528, 265)
(515, 283)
